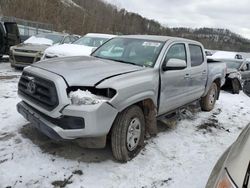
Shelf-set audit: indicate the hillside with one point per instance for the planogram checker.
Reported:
(83, 16)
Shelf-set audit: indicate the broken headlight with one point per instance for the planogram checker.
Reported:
(89, 95)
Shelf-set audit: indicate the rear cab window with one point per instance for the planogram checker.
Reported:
(196, 55)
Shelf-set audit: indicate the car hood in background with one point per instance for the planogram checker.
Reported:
(69, 50)
(31, 47)
(231, 70)
(85, 71)
(239, 157)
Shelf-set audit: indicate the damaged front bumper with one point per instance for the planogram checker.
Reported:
(84, 121)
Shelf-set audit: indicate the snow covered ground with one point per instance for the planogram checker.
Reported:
(180, 156)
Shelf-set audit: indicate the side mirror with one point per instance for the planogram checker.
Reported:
(174, 64)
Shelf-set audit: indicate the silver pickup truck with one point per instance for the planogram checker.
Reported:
(119, 91)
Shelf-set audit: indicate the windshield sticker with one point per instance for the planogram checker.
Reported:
(149, 64)
(152, 44)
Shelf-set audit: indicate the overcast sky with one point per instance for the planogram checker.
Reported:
(229, 14)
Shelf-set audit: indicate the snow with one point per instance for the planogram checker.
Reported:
(68, 50)
(100, 35)
(70, 3)
(38, 40)
(74, 49)
(179, 156)
(81, 97)
(224, 55)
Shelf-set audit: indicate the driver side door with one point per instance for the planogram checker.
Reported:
(2, 40)
(175, 83)
(12, 35)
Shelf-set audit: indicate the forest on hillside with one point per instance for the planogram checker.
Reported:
(85, 16)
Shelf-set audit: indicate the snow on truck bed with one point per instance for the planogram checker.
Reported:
(180, 156)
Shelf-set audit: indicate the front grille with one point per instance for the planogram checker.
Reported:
(24, 59)
(38, 90)
(25, 51)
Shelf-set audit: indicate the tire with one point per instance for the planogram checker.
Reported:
(235, 86)
(208, 102)
(127, 134)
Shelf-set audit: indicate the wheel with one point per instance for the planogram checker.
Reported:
(207, 102)
(127, 134)
(236, 86)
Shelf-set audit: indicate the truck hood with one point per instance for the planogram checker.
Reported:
(85, 71)
(239, 158)
(31, 47)
(69, 50)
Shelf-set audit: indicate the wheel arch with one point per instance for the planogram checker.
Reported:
(149, 111)
(217, 81)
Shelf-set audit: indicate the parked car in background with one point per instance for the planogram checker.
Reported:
(226, 55)
(32, 49)
(81, 47)
(119, 90)
(233, 168)
(237, 72)
(9, 36)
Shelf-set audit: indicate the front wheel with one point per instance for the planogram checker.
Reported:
(128, 131)
(208, 101)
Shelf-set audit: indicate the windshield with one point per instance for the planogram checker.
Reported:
(53, 37)
(139, 52)
(233, 64)
(91, 41)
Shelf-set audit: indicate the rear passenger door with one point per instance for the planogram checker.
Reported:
(198, 73)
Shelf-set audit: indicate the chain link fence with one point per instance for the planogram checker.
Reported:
(29, 28)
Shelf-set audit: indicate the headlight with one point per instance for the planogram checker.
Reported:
(40, 53)
(225, 181)
(81, 97)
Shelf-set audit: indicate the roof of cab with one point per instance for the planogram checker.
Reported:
(157, 38)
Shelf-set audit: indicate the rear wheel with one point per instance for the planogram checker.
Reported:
(127, 136)
(208, 102)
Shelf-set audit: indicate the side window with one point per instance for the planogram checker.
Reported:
(196, 55)
(177, 51)
(73, 39)
(66, 40)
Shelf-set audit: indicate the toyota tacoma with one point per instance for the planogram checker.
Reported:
(119, 91)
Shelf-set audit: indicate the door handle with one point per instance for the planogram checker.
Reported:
(187, 76)
(204, 72)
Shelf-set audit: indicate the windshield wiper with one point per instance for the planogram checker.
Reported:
(127, 62)
(118, 60)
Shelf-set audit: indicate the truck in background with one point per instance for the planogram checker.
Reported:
(9, 36)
